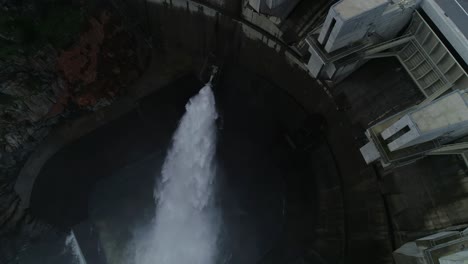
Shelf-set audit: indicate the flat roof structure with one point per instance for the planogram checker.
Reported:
(348, 9)
(448, 111)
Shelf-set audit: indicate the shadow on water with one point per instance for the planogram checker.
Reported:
(61, 191)
(116, 166)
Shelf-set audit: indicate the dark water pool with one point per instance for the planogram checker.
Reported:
(108, 176)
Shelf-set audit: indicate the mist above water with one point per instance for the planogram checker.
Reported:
(186, 225)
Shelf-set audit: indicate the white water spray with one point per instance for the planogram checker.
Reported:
(186, 225)
(72, 244)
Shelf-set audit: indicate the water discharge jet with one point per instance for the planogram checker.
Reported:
(72, 244)
(186, 225)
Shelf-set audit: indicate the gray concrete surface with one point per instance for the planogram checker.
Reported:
(457, 10)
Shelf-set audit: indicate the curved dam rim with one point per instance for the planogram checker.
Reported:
(70, 131)
(61, 137)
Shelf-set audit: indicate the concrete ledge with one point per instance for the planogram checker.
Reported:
(450, 30)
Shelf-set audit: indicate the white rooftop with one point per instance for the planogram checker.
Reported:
(456, 258)
(442, 116)
(410, 249)
(439, 235)
(449, 110)
(369, 152)
(351, 8)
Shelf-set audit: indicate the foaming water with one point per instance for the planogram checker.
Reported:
(72, 244)
(185, 228)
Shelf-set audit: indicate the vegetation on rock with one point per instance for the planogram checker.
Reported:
(58, 59)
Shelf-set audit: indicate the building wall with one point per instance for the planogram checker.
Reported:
(315, 63)
(345, 30)
(386, 20)
(345, 70)
(326, 26)
(261, 21)
(393, 20)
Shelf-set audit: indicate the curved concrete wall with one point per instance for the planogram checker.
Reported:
(208, 32)
(194, 31)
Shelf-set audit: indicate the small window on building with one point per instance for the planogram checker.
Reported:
(398, 134)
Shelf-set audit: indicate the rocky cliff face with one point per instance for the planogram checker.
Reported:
(58, 60)
(28, 90)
